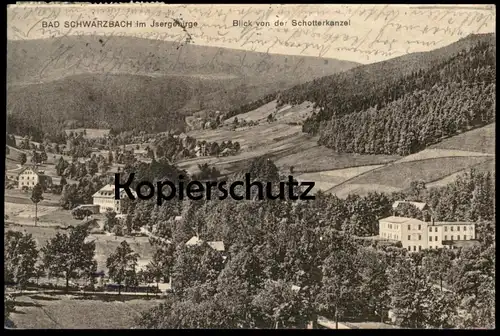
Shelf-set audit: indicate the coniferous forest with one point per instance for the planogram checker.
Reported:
(402, 115)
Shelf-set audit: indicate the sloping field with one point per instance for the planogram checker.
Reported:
(488, 165)
(259, 114)
(433, 153)
(14, 154)
(400, 175)
(318, 158)
(478, 140)
(344, 190)
(67, 312)
(328, 179)
(11, 164)
(284, 114)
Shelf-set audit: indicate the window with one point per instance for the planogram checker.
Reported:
(436, 229)
(430, 228)
(409, 237)
(420, 247)
(452, 237)
(436, 238)
(465, 237)
(409, 227)
(445, 237)
(458, 228)
(430, 238)
(451, 228)
(430, 247)
(409, 248)
(414, 247)
(445, 229)
(458, 237)
(419, 237)
(419, 227)
(471, 228)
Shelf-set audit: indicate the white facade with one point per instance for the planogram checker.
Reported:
(29, 178)
(105, 198)
(416, 235)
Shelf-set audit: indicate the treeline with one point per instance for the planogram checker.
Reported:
(405, 114)
(178, 148)
(306, 258)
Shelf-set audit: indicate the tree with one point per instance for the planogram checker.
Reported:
(79, 213)
(282, 305)
(341, 281)
(9, 307)
(63, 182)
(20, 256)
(36, 197)
(68, 197)
(415, 300)
(69, 255)
(22, 158)
(122, 265)
(43, 156)
(35, 157)
(110, 220)
(61, 166)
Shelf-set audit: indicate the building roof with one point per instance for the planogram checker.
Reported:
(194, 241)
(34, 169)
(217, 245)
(418, 205)
(453, 223)
(401, 220)
(109, 191)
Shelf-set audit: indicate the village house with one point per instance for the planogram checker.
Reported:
(216, 245)
(31, 176)
(416, 235)
(105, 198)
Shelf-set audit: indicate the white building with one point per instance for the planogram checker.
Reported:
(105, 198)
(29, 177)
(416, 235)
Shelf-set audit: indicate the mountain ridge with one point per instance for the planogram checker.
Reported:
(143, 72)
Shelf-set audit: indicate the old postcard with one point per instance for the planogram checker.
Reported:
(250, 166)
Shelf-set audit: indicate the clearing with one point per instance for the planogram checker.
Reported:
(74, 312)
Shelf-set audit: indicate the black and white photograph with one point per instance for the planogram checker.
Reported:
(250, 166)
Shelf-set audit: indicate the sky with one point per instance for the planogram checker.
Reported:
(368, 34)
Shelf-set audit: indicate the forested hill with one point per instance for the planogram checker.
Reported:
(405, 104)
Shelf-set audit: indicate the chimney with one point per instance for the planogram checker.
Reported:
(432, 219)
